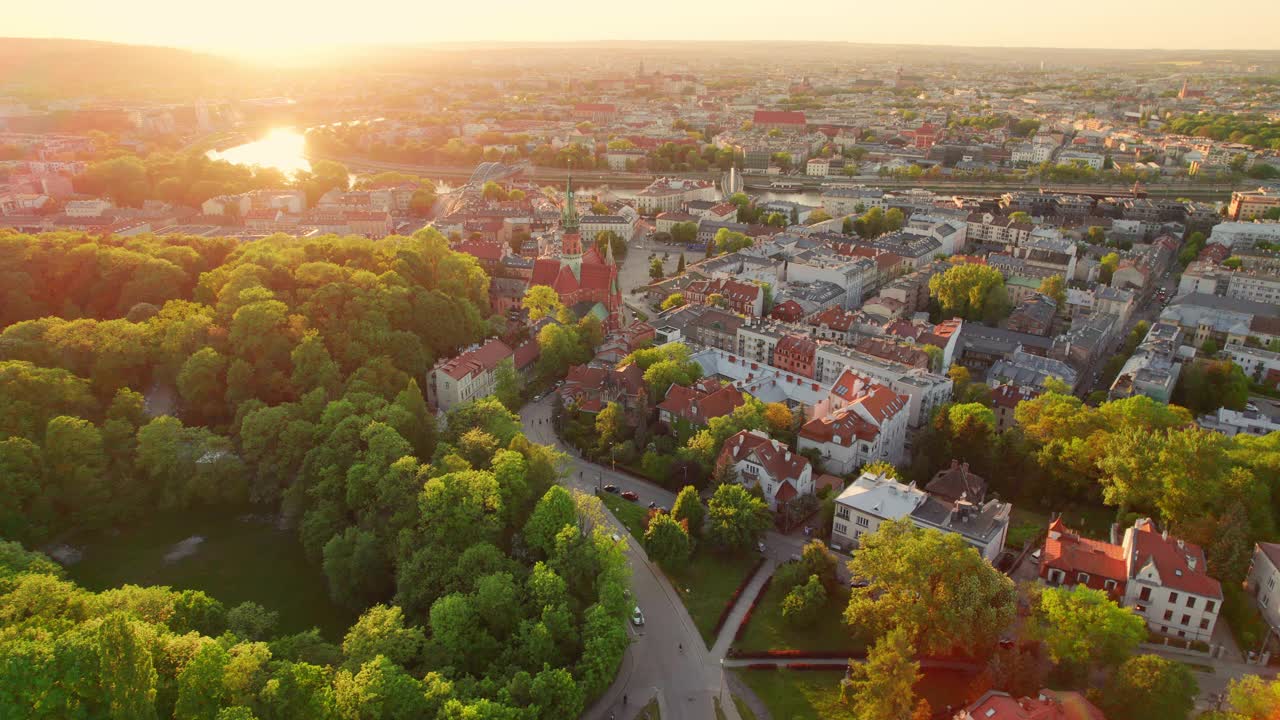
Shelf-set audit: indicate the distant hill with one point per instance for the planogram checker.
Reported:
(54, 67)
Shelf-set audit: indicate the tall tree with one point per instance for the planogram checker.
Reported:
(883, 687)
(932, 585)
(1150, 687)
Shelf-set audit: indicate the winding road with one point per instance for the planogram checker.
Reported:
(685, 682)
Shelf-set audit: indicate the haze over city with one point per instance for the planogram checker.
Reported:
(281, 30)
(673, 361)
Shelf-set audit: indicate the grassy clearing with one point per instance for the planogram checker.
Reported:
(706, 584)
(630, 514)
(1089, 520)
(242, 558)
(815, 694)
(768, 631)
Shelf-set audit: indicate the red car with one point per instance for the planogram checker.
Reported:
(630, 496)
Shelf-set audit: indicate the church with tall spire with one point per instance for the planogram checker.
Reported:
(586, 282)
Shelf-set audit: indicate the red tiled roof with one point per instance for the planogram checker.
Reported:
(1047, 705)
(1170, 556)
(525, 353)
(595, 107)
(778, 117)
(702, 402)
(481, 250)
(474, 362)
(786, 492)
(776, 458)
(1071, 553)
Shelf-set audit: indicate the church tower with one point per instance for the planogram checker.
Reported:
(571, 244)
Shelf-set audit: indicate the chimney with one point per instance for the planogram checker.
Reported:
(1191, 562)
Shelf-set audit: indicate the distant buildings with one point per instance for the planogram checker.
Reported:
(1153, 368)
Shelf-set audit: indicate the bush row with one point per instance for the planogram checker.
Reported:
(733, 599)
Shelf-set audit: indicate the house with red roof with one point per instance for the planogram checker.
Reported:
(743, 298)
(1169, 583)
(468, 376)
(795, 354)
(757, 459)
(1263, 584)
(860, 422)
(689, 407)
(596, 112)
(779, 119)
(1069, 559)
(1163, 578)
(1047, 705)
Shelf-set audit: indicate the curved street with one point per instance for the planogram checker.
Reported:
(684, 681)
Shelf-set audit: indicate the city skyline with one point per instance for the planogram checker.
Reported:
(282, 30)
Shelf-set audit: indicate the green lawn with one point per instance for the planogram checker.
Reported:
(706, 584)
(632, 515)
(1090, 520)
(815, 694)
(241, 558)
(743, 708)
(768, 631)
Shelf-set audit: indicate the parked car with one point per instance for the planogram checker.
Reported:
(628, 495)
(637, 617)
(653, 505)
(611, 488)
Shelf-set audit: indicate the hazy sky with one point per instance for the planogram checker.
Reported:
(264, 25)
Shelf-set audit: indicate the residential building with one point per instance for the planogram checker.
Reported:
(1250, 421)
(740, 297)
(1263, 583)
(873, 499)
(1047, 705)
(1034, 315)
(696, 405)
(1252, 204)
(670, 194)
(795, 354)
(1153, 368)
(759, 460)
(1168, 583)
(1070, 559)
(468, 376)
(861, 422)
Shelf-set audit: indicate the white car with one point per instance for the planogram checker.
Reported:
(637, 617)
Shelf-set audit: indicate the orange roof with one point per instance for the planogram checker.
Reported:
(1071, 553)
(474, 362)
(1174, 560)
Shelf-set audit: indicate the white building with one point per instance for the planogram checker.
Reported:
(467, 377)
(861, 422)
(670, 194)
(760, 460)
(1169, 583)
(1234, 422)
(873, 499)
(817, 167)
(1263, 583)
(86, 208)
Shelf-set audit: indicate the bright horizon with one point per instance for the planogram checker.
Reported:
(281, 30)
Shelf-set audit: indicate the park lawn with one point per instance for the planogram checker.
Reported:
(707, 583)
(768, 631)
(631, 515)
(815, 694)
(243, 557)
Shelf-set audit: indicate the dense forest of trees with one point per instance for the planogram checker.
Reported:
(282, 372)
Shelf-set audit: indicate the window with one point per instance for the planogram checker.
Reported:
(1271, 584)
(1204, 624)
(1209, 606)
(1168, 614)
(841, 528)
(1145, 594)
(864, 522)
(1082, 577)
(1191, 601)
(1109, 584)
(1164, 628)
(842, 512)
(1173, 597)
(1186, 619)
(1182, 634)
